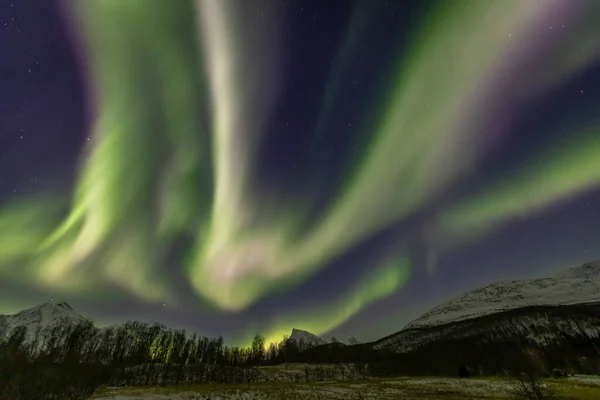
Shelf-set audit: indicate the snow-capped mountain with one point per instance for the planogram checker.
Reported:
(577, 285)
(535, 311)
(307, 337)
(43, 316)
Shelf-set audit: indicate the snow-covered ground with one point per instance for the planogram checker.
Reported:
(577, 285)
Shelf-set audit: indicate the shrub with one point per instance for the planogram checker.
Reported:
(527, 386)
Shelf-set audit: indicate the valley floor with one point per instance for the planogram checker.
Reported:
(573, 388)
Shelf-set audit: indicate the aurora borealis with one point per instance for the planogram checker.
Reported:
(237, 166)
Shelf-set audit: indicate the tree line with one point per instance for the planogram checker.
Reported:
(70, 360)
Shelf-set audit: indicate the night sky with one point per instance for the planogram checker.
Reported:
(334, 166)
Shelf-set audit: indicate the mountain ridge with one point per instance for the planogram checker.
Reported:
(513, 309)
(576, 285)
(540, 312)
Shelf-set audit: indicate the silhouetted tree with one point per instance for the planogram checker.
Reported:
(273, 353)
(290, 349)
(258, 348)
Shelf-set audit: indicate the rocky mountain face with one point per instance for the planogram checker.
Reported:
(307, 337)
(540, 326)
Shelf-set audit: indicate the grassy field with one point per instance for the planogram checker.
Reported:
(575, 388)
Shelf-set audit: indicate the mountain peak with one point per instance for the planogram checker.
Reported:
(306, 337)
(42, 316)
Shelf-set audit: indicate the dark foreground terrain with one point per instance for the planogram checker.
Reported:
(573, 388)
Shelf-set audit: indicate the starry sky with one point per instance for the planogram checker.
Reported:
(334, 166)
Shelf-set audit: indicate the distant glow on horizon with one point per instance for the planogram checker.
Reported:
(179, 120)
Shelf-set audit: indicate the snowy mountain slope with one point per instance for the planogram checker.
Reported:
(307, 337)
(577, 285)
(540, 312)
(43, 316)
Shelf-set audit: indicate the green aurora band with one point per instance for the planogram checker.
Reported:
(572, 169)
(177, 130)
